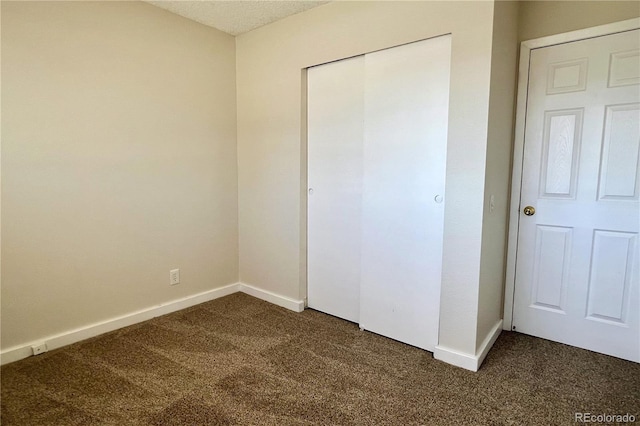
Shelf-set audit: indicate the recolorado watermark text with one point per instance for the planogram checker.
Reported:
(604, 418)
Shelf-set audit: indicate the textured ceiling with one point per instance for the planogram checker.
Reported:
(235, 16)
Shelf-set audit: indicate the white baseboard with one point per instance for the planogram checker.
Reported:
(63, 339)
(488, 342)
(276, 299)
(468, 361)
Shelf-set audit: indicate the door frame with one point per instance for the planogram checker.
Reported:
(518, 146)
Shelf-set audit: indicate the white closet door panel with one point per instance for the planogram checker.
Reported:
(335, 129)
(405, 125)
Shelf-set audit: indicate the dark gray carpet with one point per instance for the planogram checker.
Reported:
(238, 360)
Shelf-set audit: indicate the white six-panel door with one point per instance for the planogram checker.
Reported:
(577, 261)
(377, 127)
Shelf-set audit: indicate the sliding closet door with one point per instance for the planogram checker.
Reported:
(335, 112)
(404, 157)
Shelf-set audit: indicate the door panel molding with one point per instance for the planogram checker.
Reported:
(518, 149)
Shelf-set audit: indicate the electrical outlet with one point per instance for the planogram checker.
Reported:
(492, 204)
(174, 276)
(39, 349)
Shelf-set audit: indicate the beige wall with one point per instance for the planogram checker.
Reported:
(118, 162)
(498, 169)
(543, 18)
(272, 187)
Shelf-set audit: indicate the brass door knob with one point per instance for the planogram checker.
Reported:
(529, 211)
